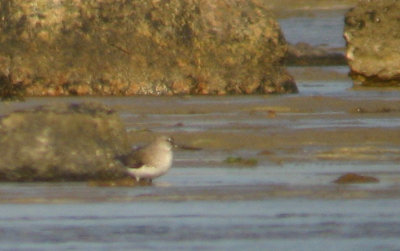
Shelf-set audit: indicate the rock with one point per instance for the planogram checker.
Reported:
(372, 33)
(62, 143)
(351, 178)
(145, 47)
(10, 90)
(303, 54)
(265, 152)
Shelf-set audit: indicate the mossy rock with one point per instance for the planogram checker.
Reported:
(62, 143)
(147, 47)
(372, 43)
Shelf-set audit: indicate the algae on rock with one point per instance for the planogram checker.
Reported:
(372, 33)
(145, 47)
(62, 143)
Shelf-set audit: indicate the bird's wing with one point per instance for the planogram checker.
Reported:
(144, 155)
(132, 159)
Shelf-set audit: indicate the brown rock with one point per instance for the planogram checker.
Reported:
(372, 34)
(180, 87)
(142, 47)
(351, 178)
(202, 88)
(265, 152)
(133, 89)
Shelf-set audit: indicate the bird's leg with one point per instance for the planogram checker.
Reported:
(146, 181)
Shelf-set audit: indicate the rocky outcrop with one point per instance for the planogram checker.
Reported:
(145, 47)
(372, 33)
(62, 143)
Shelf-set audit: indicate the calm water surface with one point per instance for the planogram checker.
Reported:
(294, 224)
(325, 28)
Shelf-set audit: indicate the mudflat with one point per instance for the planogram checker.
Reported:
(306, 141)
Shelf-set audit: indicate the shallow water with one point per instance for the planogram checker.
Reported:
(294, 224)
(322, 28)
(287, 201)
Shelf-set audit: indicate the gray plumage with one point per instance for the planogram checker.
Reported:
(150, 161)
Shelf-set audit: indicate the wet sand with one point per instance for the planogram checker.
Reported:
(299, 143)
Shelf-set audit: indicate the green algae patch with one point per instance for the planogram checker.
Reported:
(245, 162)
